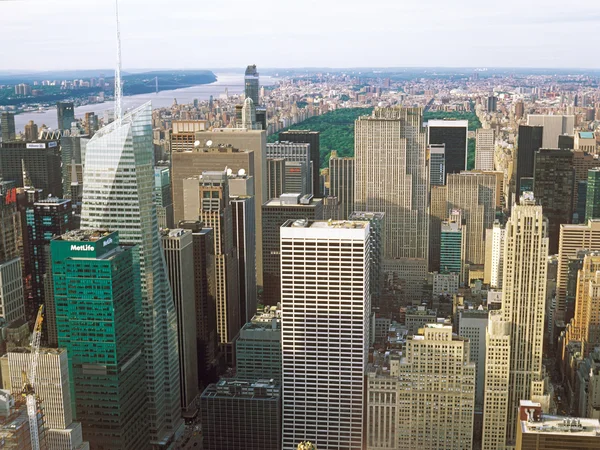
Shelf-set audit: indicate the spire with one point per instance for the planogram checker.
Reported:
(118, 86)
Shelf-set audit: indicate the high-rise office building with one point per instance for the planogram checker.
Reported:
(10, 223)
(592, 197)
(238, 414)
(258, 348)
(494, 255)
(391, 177)
(91, 123)
(585, 141)
(53, 387)
(297, 162)
(554, 126)
(583, 162)
(12, 298)
(7, 126)
(275, 177)
(47, 218)
(492, 103)
(519, 109)
(529, 141)
(573, 238)
(553, 184)
(437, 164)
(452, 133)
(579, 202)
(538, 431)
(243, 139)
(65, 112)
(31, 131)
(452, 245)
(438, 213)
(472, 325)
(251, 81)
(207, 199)
(72, 149)
(520, 375)
(312, 138)
(118, 195)
(329, 319)
(484, 149)
(244, 240)
(275, 213)
(183, 134)
(205, 294)
(411, 408)
(97, 281)
(377, 230)
(341, 182)
(179, 255)
(42, 161)
(162, 196)
(474, 194)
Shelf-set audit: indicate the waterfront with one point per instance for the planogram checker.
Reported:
(233, 82)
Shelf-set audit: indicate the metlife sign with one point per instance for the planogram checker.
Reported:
(82, 248)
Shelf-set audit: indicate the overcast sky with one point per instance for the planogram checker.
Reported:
(80, 34)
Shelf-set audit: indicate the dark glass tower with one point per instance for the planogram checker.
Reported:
(452, 133)
(251, 83)
(312, 138)
(553, 184)
(529, 142)
(99, 321)
(592, 198)
(65, 112)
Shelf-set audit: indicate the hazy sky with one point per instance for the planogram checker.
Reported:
(80, 34)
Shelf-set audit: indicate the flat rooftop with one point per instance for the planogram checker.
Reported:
(84, 235)
(563, 425)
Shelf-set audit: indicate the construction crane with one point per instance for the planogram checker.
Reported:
(29, 380)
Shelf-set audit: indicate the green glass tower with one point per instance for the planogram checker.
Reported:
(99, 321)
(451, 254)
(592, 198)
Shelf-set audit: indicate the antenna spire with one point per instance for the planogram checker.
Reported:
(118, 86)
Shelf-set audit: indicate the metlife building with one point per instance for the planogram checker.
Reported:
(97, 296)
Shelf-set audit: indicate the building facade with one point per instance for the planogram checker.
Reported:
(332, 416)
(341, 182)
(484, 149)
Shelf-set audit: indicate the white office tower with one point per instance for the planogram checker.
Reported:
(554, 126)
(391, 176)
(484, 149)
(494, 259)
(118, 196)
(523, 309)
(53, 388)
(326, 304)
(426, 400)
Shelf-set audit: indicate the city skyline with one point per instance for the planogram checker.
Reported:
(325, 37)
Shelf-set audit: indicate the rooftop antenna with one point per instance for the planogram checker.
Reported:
(118, 86)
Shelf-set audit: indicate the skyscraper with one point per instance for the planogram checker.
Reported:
(438, 213)
(207, 199)
(474, 194)
(163, 197)
(97, 281)
(492, 103)
(409, 408)
(312, 138)
(341, 173)
(7, 126)
(554, 126)
(484, 149)
(518, 374)
(179, 256)
(529, 142)
(572, 239)
(47, 218)
(553, 184)
(118, 195)
(251, 82)
(592, 198)
(586, 322)
(329, 319)
(437, 164)
(452, 246)
(244, 240)
(452, 133)
(65, 112)
(42, 161)
(494, 255)
(276, 212)
(294, 153)
(275, 177)
(391, 177)
(31, 131)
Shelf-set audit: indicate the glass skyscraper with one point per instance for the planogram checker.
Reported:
(118, 196)
(98, 317)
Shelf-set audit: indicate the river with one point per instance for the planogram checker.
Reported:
(233, 82)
